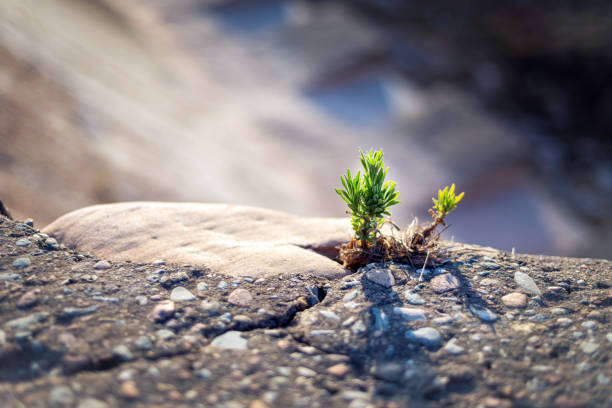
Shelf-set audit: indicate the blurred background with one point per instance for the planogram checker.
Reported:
(266, 103)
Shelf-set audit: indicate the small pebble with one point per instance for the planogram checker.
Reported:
(28, 299)
(338, 370)
(240, 297)
(328, 314)
(558, 311)
(452, 347)
(564, 322)
(413, 298)
(306, 372)
(483, 313)
(23, 242)
(381, 276)
(222, 285)
(410, 314)
(163, 311)
(143, 343)
(21, 263)
(101, 265)
(589, 347)
(61, 396)
(426, 336)
(589, 324)
(445, 283)
(123, 352)
(181, 294)
(526, 283)
(202, 286)
(22, 323)
(129, 390)
(230, 340)
(141, 300)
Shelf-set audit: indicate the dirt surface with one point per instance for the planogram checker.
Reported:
(76, 331)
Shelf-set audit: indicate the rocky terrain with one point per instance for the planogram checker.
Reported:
(485, 329)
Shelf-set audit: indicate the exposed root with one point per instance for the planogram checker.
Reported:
(418, 247)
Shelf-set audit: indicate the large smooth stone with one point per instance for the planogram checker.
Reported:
(228, 239)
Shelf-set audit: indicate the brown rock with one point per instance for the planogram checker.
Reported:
(338, 370)
(515, 299)
(493, 402)
(163, 311)
(444, 283)
(240, 297)
(129, 390)
(232, 240)
(29, 299)
(257, 404)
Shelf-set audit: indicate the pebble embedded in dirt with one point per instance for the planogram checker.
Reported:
(381, 276)
(240, 297)
(181, 294)
(526, 283)
(102, 265)
(515, 299)
(444, 283)
(164, 310)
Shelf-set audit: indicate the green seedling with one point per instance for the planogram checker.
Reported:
(368, 196)
(446, 202)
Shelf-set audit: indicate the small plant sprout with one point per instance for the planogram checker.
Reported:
(368, 197)
(447, 201)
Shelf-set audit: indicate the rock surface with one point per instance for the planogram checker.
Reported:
(232, 240)
(112, 337)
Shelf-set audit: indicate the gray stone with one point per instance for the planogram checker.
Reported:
(180, 294)
(143, 343)
(123, 352)
(23, 242)
(210, 306)
(452, 347)
(222, 285)
(589, 347)
(51, 243)
(204, 373)
(102, 265)
(141, 300)
(358, 328)
(230, 340)
(492, 266)
(381, 276)
(72, 312)
(410, 314)
(558, 311)
(445, 283)
(165, 334)
(564, 322)
(61, 396)
(589, 324)
(202, 286)
(538, 318)
(425, 336)
(23, 323)
(21, 263)
(92, 403)
(328, 314)
(609, 337)
(306, 372)
(9, 276)
(526, 283)
(442, 320)
(483, 313)
(413, 298)
(321, 332)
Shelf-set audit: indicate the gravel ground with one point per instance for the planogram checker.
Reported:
(486, 329)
